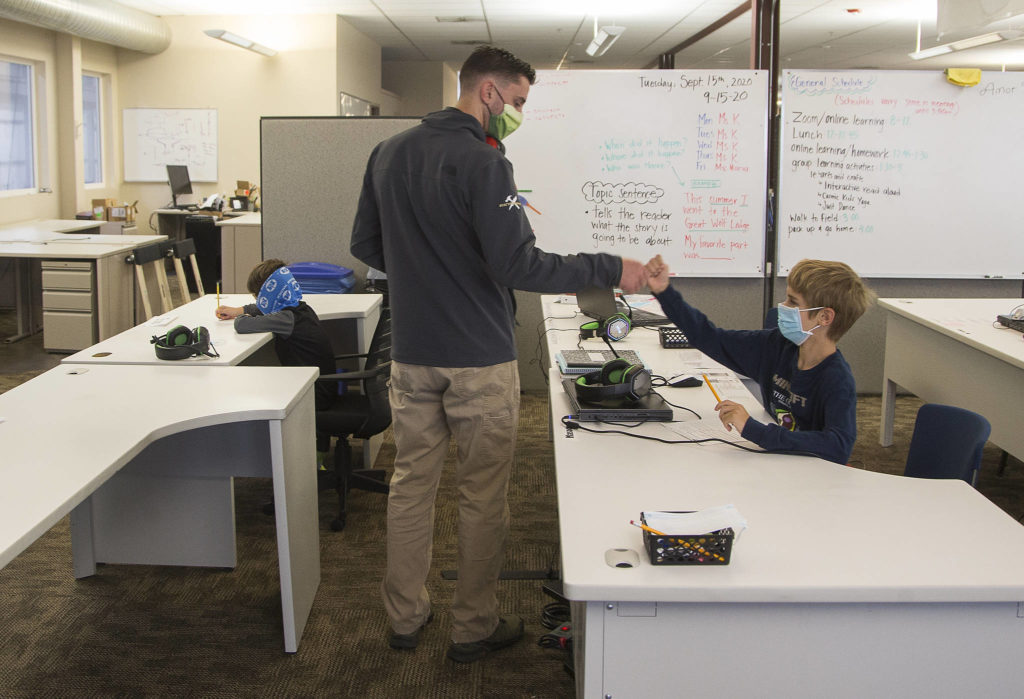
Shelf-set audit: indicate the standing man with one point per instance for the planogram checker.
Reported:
(440, 215)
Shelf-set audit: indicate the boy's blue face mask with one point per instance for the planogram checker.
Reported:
(792, 327)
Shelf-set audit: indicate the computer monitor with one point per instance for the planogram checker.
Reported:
(177, 177)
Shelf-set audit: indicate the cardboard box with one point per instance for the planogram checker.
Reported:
(121, 212)
(100, 206)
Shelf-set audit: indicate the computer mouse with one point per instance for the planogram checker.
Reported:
(622, 558)
(688, 382)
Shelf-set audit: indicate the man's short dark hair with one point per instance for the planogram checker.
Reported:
(490, 60)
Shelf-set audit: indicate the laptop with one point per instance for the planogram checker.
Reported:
(651, 407)
(600, 303)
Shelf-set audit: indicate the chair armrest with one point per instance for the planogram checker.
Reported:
(351, 356)
(347, 376)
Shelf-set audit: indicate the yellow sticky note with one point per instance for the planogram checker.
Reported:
(965, 77)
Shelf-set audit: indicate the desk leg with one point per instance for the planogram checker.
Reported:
(23, 300)
(888, 412)
(293, 461)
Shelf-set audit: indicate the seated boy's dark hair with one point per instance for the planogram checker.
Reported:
(490, 60)
(259, 274)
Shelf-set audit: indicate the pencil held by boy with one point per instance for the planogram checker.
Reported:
(299, 339)
(806, 384)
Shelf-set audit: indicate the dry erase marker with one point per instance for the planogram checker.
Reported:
(713, 391)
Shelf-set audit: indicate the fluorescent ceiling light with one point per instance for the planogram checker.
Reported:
(241, 41)
(969, 43)
(603, 40)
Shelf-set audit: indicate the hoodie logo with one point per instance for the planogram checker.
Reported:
(511, 202)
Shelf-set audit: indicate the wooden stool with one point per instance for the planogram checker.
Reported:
(181, 249)
(152, 255)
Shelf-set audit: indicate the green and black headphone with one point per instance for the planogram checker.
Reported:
(181, 343)
(616, 379)
(614, 327)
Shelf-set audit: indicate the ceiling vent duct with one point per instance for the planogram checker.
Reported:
(97, 20)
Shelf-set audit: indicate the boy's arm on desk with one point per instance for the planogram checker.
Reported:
(281, 323)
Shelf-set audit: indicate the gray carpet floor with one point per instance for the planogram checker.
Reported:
(163, 631)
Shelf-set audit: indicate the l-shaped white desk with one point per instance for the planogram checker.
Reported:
(92, 293)
(143, 459)
(847, 583)
(949, 351)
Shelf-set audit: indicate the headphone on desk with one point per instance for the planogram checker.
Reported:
(614, 327)
(616, 379)
(181, 343)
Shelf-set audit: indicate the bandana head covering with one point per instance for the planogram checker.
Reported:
(280, 290)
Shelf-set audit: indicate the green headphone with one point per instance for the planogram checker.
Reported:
(614, 327)
(616, 379)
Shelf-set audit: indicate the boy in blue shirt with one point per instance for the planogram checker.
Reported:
(805, 382)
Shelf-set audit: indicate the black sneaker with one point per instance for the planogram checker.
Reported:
(408, 641)
(510, 630)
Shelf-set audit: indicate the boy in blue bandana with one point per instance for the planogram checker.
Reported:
(299, 339)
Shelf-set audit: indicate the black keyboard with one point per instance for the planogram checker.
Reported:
(673, 338)
(1012, 323)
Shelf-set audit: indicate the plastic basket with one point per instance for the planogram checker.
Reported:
(714, 548)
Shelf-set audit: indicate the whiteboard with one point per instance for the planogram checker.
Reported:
(155, 138)
(902, 174)
(638, 163)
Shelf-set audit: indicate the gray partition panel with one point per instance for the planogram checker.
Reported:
(312, 170)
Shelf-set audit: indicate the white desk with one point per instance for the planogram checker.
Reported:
(947, 351)
(133, 346)
(241, 249)
(847, 583)
(143, 457)
(107, 292)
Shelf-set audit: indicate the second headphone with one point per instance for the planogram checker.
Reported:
(614, 327)
(181, 343)
(616, 379)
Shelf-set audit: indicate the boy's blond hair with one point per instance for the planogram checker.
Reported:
(260, 273)
(832, 285)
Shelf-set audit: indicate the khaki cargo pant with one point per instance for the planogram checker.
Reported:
(479, 407)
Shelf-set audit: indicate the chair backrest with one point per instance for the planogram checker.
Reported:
(947, 443)
(376, 387)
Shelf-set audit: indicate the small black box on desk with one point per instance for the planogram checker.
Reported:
(713, 548)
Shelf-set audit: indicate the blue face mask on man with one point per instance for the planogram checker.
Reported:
(792, 327)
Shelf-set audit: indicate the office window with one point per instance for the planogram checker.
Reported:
(92, 128)
(17, 151)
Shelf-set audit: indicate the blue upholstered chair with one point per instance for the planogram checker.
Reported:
(947, 443)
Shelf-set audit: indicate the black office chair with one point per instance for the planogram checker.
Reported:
(202, 229)
(361, 414)
(947, 443)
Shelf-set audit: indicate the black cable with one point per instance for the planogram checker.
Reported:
(554, 614)
(574, 425)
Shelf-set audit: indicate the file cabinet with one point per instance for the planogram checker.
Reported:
(69, 305)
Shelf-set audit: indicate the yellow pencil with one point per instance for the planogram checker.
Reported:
(218, 294)
(713, 391)
(646, 528)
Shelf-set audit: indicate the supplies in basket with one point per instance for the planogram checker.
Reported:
(691, 538)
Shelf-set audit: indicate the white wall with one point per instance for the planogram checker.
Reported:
(196, 71)
(424, 86)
